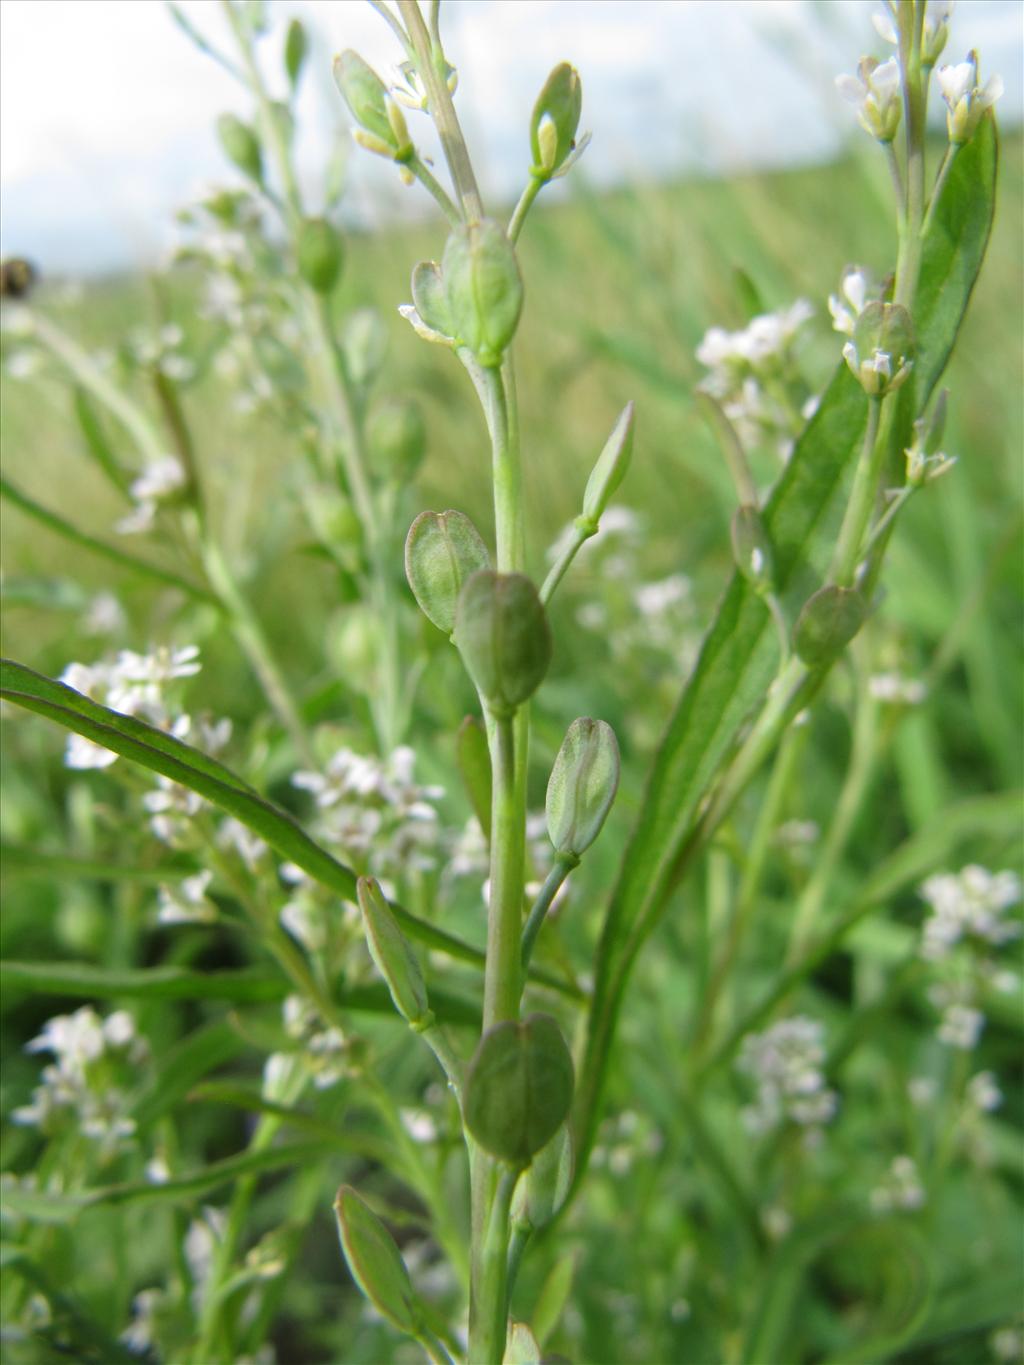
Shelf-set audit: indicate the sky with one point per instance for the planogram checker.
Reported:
(107, 109)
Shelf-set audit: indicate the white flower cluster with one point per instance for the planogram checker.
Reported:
(186, 903)
(900, 1188)
(895, 690)
(160, 482)
(94, 1058)
(324, 1051)
(846, 307)
(749, 370)
(133, 684)
(161, 350)
(374, 810)
(784, 1062)
(968, 903)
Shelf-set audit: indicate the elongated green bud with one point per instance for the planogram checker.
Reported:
(544, 1187)
(518, 1088)
(320, 254)
(397, 437)
(827, 623)
(502, 633)
(442, 551)
(392, 955)
(376, 1263)
(296, 46)
(365, 94)
(582, 785)
(241, 146)
(610, 470)
(556, 116)
(751, 548)
(483, 289)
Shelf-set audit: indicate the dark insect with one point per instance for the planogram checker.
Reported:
(17, 276)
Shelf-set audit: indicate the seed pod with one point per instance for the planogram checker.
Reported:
(610, 469)
(364, 341)
(296, 46)
(375, 1262)
(365, 94)
(321, 254)
(556, 116)
(543, 1188)
(429, 298)
(442, 551)
(880, 353)
(241, 146)
(392, 955)
(751, 548)
(397, 437)
(502, 633)
(827, 623)
(582, 785)
(483, 289)
(518, 1088)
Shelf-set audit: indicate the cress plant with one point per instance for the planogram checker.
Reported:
(351, 896)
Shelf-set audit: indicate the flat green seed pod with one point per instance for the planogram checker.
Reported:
(502, 632)
(241, 146)
(518, 1088)
(483, 289)
(827, 623)
(582, 785)
(375, 1262)
(443, 550)
(365, 94)
(392, 954)
(320, 254)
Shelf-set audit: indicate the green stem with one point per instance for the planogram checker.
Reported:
(851, 797)
(908, 262)
(433, 1347)
(897, 177)
(561, 565)
(424, 175)
(563, 865)
(881, 526)
(430, 64)
(487, 1341)
(502, 972)
(521, 1234)
(509, 532)
(940, 183)
(849, 547)
(515, 226)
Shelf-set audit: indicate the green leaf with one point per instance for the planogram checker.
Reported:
(738, 657)
(161, 753)
(248, 985)
(96, 440)
(112, 552)
(251, 1101)
(194, 1057)
(553, 1297)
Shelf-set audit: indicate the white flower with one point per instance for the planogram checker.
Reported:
(874, 371)
(785, 1063)
(936, 29)
(187, 903)
(419, 1125)
(896, 690)
(921, 1091)
(966, 101)
(961, 1027)
(969, 902)
(900, 1188)
(847, 306)
(162, 479)
(983, 1092)
(877, 93)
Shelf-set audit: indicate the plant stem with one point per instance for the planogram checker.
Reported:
(908, 262)
(487, 1341)
(502, 972)
(940, 183)
(529, 194)
(509, 532)
(850, 544)
(430, 64)
(563, 865)
(558, 569)
(897, 177)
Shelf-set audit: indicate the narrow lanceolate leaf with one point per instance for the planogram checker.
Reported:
(85, 981)
(738, 657)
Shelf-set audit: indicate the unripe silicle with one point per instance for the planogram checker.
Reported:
(442, 551)
(483, 289)
(241, 146)
(296, 47)
(544, 1188)
(827, 623)
(428, 296)
(320, 254)
(392, 955)
(518, 1088)
(555, 119)
(503, 635)
(375, 1262)
(610, 470)
(397, 437)
(582, 785)
(365, 94)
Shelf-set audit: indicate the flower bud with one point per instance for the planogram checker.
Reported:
(877, 92)
(397, 437)
(296, 46)
(879, 353)
(393, 957)
(518, 1088)
(483, 289)
(321, 254)
(751, 548)
(966, 100)
(827, 623)
(544, 1187)
(376, 1263)
(241, 146)
(608, 473)
(442, 551)
(582, 785)
(556, 116)
(502, 633)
